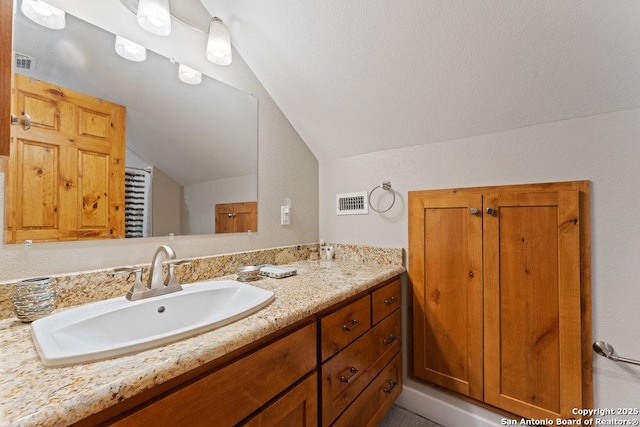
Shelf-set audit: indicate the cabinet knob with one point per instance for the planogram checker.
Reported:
(474, 211)
(491, 211)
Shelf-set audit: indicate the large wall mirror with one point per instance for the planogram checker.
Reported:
(199, 142)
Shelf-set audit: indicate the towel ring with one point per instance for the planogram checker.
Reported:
(387, 187)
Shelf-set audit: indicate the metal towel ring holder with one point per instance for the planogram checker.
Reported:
(387, 187)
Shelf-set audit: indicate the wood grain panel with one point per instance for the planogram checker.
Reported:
(43, 112)
(529, 315)
(532, 304)
(93, 190)
(38, 180)
(92, 123)
(446, 276)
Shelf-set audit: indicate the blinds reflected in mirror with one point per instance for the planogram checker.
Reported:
(136, 205)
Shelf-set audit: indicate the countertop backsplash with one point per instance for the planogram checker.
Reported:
(84, 287)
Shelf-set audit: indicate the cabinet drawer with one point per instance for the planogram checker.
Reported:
(342, 327)
(297, 408)
(230, 394)
(386, 300)
(350, 371)
(372, 405)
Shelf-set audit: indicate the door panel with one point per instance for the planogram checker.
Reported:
(65, 177)
(447, 283)
(532, 286)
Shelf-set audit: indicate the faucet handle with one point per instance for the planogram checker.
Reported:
(136, 270)
(172, 280)
(138, 286)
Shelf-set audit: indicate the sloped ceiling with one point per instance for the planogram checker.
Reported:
(357, 76)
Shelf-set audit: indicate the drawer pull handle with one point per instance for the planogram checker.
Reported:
(353, 371)
(392, 385)
(352, 326)
(391, 338)
(390, 300)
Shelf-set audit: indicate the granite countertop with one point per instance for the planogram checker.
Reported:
(31, 394)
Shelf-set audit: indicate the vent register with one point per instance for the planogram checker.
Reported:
(352, 203)
(24, 62)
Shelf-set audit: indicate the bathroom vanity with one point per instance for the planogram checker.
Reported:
(326, 350)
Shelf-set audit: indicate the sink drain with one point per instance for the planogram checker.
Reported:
(161, 309)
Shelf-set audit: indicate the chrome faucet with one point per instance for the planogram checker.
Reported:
(155, 285)
(155, 273)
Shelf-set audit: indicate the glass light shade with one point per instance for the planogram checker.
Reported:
(219, 43)
(130, 50)
(154, 16)
(44, 14)
(189, 75)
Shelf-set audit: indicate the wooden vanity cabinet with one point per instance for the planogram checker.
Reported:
(342, 366)
(360, 372)
(501, 295)
(228, 395)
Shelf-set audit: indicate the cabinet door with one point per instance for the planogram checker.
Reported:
(445, 268)
(532, 303)
(236, 217)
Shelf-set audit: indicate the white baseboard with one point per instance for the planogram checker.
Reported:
(448, 414)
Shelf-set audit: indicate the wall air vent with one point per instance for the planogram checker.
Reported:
(352, 203)
(24, 62)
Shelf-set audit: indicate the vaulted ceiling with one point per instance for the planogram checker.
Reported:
(356, 76)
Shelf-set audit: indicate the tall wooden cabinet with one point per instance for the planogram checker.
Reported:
(501, 295)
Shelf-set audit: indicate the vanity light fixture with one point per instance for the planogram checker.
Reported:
(189, 75)
(219, 42)
(130, 50)
(44, 14)
(154, 16)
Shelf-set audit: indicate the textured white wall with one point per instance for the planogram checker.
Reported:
(286, 169)
(166, 204)
(604, 149)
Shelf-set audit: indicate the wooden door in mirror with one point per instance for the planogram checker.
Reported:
(236, 217)
(65, 175)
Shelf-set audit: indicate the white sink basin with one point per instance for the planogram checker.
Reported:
(116, 327)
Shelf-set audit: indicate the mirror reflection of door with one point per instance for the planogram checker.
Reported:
(236, 217)
(66, 167)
